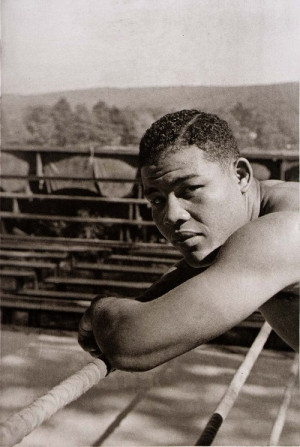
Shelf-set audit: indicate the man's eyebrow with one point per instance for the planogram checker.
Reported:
(182, 179)
(148, 191)
(174, 183)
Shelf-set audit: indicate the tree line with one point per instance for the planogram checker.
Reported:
(62, 125)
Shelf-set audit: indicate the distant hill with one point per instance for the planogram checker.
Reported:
(274, 104)
(166, 97)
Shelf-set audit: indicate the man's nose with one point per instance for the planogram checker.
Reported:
(175, 211)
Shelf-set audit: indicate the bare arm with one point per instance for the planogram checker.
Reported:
(255, 263)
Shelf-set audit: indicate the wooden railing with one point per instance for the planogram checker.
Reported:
(131, 220)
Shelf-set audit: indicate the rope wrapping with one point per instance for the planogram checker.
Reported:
(210, 430)
(24, 422)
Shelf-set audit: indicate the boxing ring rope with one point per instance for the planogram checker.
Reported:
(24, 422)
(234, 388)
(281, 415)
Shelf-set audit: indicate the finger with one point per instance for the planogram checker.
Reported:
(96, 353)
(86, 339)
(87, 344)
(85, 323)
(90, 346)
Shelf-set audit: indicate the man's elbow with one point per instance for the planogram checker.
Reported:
(125, 359)
(114, 327)
(130, 364)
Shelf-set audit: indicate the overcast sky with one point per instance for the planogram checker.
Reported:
(51, 45)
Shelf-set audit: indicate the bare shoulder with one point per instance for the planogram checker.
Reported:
(279, 196)
(279, 229)
(269, 245)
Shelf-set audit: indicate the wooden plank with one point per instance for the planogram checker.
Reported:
(150, 259)
(64, 197)
(270, 155)
(32, 245)
(43, 293)
(119, 268)
(99, 282)
(28, 263)
(132, 151)
(110, 243)
(156, 251)
(17, 273)
(78, 149)
(31, 254)
(12, 300)
(31, 177)
(105, 220)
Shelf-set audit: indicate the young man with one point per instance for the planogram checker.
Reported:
(239, 239)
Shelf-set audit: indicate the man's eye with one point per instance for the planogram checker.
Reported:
(156, 201)
(192, 188)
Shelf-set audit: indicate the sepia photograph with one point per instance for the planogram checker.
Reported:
(149, 232)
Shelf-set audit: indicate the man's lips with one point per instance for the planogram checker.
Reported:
(182, 236)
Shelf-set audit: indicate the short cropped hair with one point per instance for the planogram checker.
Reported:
(185, 128)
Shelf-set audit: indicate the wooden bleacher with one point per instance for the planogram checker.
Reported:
(77, 282)
(43, 273)
(66, 283)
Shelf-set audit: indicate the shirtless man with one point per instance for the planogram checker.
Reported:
(239, 239)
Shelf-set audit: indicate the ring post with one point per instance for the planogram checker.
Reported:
(234, 388)
(280, 419)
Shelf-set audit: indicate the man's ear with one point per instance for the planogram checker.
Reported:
(244, 174)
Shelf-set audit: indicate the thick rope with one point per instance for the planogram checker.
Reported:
(23, 423)
(281, 416)
(234, 388)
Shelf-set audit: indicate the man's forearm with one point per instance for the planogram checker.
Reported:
(130, 337)
(140, 335)
(121, 330)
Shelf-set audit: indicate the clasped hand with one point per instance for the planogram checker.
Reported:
(86, 338)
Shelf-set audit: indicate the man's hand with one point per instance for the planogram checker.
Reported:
(86, 338)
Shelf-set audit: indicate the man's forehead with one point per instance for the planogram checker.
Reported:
(154, 178)
(184, 164)
(155, 173)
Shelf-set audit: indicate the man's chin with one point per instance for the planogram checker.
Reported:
(198, 259)
(194, 259)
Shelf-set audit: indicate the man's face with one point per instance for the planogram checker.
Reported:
(196, 204)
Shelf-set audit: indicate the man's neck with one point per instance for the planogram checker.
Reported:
(253, 200)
